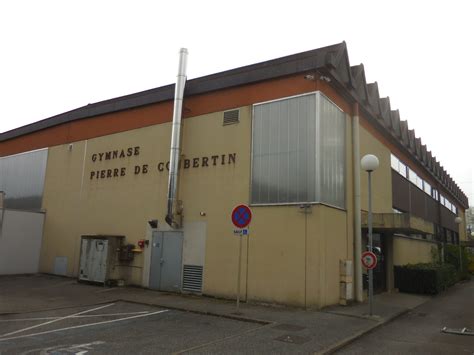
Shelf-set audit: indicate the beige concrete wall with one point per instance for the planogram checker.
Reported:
(276, 269)
(294, 255)
(290, 257)
(381, 178)
(78, 205)
(62, 204)
(411, 251)
(216, 191)
(327, 244)
(122, 205)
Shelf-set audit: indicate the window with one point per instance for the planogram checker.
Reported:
(415, 179)
(427, 188)
(402, 169)
(412, 176)
(419, 182)
(394, 162)
(398, 166)
(447, 204)
(298, 151)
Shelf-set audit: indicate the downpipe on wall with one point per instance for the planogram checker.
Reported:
(357, 218)
(2, 213)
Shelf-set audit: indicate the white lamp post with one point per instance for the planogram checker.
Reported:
(458, 221)
(370, 163)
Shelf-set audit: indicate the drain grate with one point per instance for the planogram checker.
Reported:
(293, 339)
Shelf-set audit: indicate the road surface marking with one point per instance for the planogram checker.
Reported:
(55, 320)
(86, 316)
(82, 326)
(60, 349)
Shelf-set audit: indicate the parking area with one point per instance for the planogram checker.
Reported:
(120, 327)
(45, 314)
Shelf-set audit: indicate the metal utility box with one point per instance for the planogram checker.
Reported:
(98, 257)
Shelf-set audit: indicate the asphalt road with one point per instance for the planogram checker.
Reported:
(419, 331)
(42, 314)
(130, 328)
(113, 328)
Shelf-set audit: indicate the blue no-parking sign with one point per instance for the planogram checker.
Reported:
(241, 216)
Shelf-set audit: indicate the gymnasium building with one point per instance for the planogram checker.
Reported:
(139, 189)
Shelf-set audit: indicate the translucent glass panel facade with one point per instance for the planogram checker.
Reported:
(22, 179)
(298, 152)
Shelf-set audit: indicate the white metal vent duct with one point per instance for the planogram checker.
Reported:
(174, 212)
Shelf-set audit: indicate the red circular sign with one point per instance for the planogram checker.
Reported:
(241, 216)
(369, 260)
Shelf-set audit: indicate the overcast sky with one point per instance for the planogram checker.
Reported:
(58, 55)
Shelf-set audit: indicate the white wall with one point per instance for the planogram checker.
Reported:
(20, 241)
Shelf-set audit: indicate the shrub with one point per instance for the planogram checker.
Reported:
(470, 262)
(424, 278)
(452, 257)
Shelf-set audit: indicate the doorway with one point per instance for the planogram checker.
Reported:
(166, 261)
(380, 274)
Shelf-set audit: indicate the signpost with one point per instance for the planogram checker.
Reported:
(370, 163)
(241, 232)
(241, 217)
(369, 260)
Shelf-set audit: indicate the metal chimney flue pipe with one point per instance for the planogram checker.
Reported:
(174, 213)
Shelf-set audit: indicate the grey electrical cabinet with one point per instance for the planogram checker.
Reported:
(98, 257)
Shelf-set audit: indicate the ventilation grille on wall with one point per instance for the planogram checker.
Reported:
(231, 117)
(192, 278)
